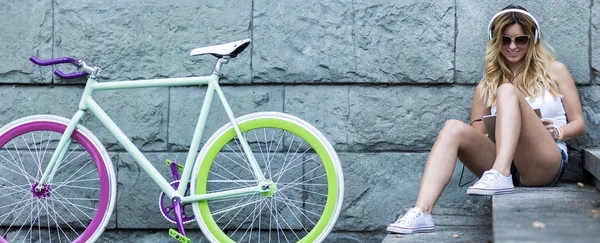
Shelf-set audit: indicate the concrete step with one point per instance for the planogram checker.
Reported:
(567, 212)
(451, 228)
(591, 163)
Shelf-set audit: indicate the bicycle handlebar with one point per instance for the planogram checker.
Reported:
(54, 61)
(70, 75)
(60, 60)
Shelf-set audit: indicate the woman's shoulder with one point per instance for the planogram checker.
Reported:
(558, 71)
(557, 67)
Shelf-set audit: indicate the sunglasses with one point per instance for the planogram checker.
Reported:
(520, 41)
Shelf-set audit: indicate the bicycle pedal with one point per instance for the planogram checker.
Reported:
(178, 236)
(179, 167)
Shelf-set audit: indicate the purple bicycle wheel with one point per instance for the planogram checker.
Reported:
(75, 206)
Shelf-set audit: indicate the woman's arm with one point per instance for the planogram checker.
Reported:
(575, 126)
(478, 110)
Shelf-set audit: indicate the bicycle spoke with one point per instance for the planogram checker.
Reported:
(13, 209)
(57, 224)
(231, 173)
(76, 206)
(233, 161)
(285, 198)
(26, 219)
(249, 215)
(297, 204)
(69, 201)
(21, 167)
(33, 156)
(63, 164)
(260, 147)
(68, 181)
(75, 173)
(285, 166)
(287, 205)
(277, 214)
(19, 214)
(25, 174)
(304, 190)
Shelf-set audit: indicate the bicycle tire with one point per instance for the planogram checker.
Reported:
(312, 213)
(74, 207)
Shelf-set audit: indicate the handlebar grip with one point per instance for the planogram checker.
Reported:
(54, 61)
(70, 75)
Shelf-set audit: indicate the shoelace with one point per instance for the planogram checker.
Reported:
(487, 179)
(409, 216)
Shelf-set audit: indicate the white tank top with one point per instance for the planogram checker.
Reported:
(551, 109)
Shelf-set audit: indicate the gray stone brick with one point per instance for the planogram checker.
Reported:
(187, 101)
(595, 27)
(403, 117)
(142, 114)
(151, 40)
(590, 99)
(138, 195)
(380, 186)
(325, 107)
(26, 31)
(368, 42)
(566, 31)
(404, 41)
(302, 41)
(20, 101)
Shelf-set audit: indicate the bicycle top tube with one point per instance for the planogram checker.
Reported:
(224, 52)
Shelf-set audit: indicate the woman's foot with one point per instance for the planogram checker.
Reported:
(413, 221)
(492, 183)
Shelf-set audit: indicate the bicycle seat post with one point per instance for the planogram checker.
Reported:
(219, 64)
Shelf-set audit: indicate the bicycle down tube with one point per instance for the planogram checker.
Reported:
(87, 102)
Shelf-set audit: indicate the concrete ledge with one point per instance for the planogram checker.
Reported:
(451, 228)
(569, 213)
(591, 163)
(162, 236)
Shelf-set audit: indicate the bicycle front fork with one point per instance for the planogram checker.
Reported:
(61, 150)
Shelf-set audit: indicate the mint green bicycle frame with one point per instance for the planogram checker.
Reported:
(87, 102)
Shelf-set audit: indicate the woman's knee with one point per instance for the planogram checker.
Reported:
(453, 129)
(506, 91)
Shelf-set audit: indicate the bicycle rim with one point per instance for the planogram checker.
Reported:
(74, 207)
(293, 155)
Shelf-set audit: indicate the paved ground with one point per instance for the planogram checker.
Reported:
(565, 213)
(451, 228)
(161, 236)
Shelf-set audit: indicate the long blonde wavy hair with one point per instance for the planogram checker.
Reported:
(534, 71)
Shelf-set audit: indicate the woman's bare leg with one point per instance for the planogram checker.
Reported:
(521, 136)
(456, 139)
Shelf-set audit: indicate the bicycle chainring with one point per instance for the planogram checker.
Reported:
(168, 210)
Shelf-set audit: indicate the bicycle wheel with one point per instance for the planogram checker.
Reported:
(307, 197)
(75, 206)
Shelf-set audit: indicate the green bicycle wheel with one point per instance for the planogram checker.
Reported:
(307, 197)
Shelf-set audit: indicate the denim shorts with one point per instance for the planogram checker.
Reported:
(561, 170)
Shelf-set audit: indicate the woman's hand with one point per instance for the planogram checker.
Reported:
(549, 125)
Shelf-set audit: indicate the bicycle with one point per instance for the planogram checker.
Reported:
(263, 176)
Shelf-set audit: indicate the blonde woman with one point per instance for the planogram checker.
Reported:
(520, 75)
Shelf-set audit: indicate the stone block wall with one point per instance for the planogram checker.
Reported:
(378, 78)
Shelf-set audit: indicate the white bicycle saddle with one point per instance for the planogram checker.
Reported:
(231, 49)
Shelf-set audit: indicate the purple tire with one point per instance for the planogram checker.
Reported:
(75, 206)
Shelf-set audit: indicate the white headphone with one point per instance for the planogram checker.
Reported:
(536, 33)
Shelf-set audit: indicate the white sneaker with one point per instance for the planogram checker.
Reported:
(492, 183)
(413, 221)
